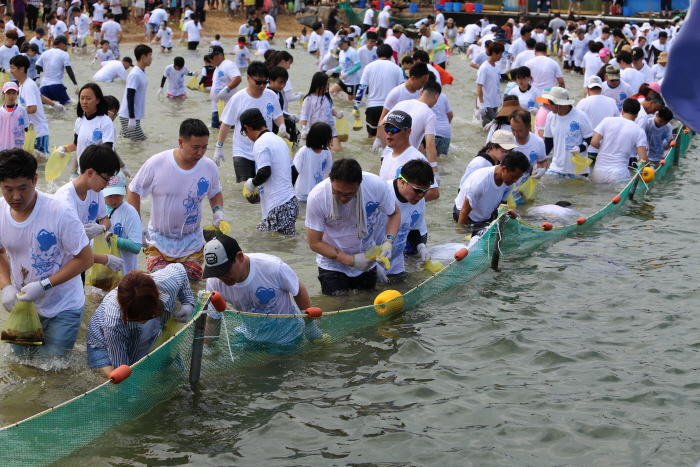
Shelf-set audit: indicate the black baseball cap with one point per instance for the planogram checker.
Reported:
(215, 49)
(399, 119)
(219, 256)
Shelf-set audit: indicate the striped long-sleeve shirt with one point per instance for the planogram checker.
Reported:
(121, 339)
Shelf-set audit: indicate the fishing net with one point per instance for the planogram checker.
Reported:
(234, 340)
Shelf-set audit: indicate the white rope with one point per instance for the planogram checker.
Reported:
(228, 342)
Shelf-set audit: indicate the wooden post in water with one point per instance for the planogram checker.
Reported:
(497, 244)
(634, 185)
(197, 350)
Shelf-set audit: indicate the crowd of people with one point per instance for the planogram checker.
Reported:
(361, 225)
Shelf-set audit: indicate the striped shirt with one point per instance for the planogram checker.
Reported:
(121, 339)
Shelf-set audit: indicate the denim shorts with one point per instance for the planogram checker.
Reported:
(60, 333)
(98, 358)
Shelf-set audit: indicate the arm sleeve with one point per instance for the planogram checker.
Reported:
(129, 245)
(71, 75)
(295, 174)
(130, 101)
(262, 175)
(548, 144)
(162, 81)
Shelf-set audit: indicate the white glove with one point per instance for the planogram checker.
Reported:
(330, 72)
(249, 185)
(218, 217)
(299, 95)
(282, 132)
(145, 236)
(482, 108)
(218, 156)
(381, 274)
(132, 124)
(182, 39)
(223, 93)
(538, 172)
(340, 114)
(437, 178)
(183, 315)
(125, 171)
(93, 62)
(362, 262)
(318, 60)
(59, 108)
(304, 133)
(386, 248)
(344, 76)
(93, 230)
(377, 146)
(32, 292)
(160, 92)
(9, 297)
(77, 90)
(62, 151)
(114, 263)
(294, 118)
(423, 251)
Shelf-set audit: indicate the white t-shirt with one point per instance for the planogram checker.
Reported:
(618, 94)
(98, 130)
(29, 95)
(166, 37)
(192, 31)
(176, 210)
(98, 13)
(424, 120)
(158, 15)
(646, 73)
(517, 47)
(659, 72)
(262, 47)
(6, 53)
(12, 126)
(39, 43)
(430, 43)
(53, 62)
(534, 149)
(597, 108)
(633, 78)
(592, 63)
(623, 138)
(176, 79)
(391, 165)
(568, 132)
(40, 246)
(271, 151)
(116, 7)
(483, 194)
(442, 124)
(110, 29)
(269, 106)
(369, 17)
(83, 24)
(323, 42)
(399, 94)
(475, 164)
(317, 109)
(110, 70)
(579, 47)
(270, 22)
(127, 224)
(88, 210)
(342, 233)
(489, 78)
(101, 56)
(440, 23)
(383, 19)
(367, 56)
(223, 75)
(527, 99)
(242, 57)
(348, 59)
(57, 29)
(136, 80)
(381, 77)
(545, 72)
(312, 167)
(268, 290)
(470, 32)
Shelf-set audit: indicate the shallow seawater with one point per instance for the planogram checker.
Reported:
(579, 353)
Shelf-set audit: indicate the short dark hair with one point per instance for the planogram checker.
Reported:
(320, 135)
(279, 73)
(104, 41)
(407, 59)
(432, 87)
(109, 15)
(624, 56)
(525, 29)
(21, 61)
(258, 68)
(421, 56)
(100, 158)
(101, 104)
(418, 171)
(179, 61)
(495, 48)
(540, 47)
(631, 106)
(193, 127)
(665, 114)
(515, 160)
(385, 51)
(128, 60)
(316, 26)
(522, 116)
(663, 34)
(372, 35)
(17, 163)
(418, 70)
(141, 50)
(12, 35)
(531, 43)
(112, 102)
(656, 98)
(346, 170)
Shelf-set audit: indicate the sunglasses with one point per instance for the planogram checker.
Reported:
(392, 130)
(259, 82)
(420, 191)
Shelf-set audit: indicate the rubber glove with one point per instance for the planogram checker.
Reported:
(362, 262)
(377, 146)
(482, 108)
(183, 315)
(62, 151)
(93, 62)
(218, 156)
(340, 114)
(381, 275)
(318, 60)
(9, 297)
(59, 108)
(538, 172)
(218, 217)
(304, 133)
(114, 263)
(224, 92)
(249, 186)
(160, 92)
(330, 72)
(282, 132)
(423, 251)
(145, 236)
(195, 73)
(344, 76)
(437, 178)
(299, 95)
(93, 230)
(132, 124)
(294, 118)
(126, 172)
(31, 292)
(385, 249)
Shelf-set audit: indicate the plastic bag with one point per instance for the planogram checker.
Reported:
(210, 232)
(55, 165)
(88, 40)
(341, 127)
(99, 275)
(220, 105)
(373, 253)
(169, 330)
(29, 139)
(527, 189)
(432, 266)
(580, 162)
(253, 197)
(193, 84)
(511, 202)
(23, 327)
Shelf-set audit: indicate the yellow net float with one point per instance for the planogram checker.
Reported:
(648, 174)
(388, 302)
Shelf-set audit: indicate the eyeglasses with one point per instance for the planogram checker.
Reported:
(105, 179)
(419, 191)
(392, 130)
(343, 195)
(243, 132)
(259, 82)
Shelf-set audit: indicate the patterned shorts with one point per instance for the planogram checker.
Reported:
(133, 135)
(282, 218)
(114, 48)
(155, 260)
(442, 145)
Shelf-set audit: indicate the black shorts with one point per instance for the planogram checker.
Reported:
(666, 5)
(202, 15)
(372, 115)
(338, 283)
(192, 45)
(245, 169)
(259, 3)
(567, 65)
(350, 89)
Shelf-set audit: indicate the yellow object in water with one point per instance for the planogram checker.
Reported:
(220, 105)
(290, 145)
(388, 302)
(373, 253)
(432, 266)
(169, 330)
(225, 227)
(55, 165)
(341, 127)
(511, 202)
(357, 125)
(29, 139)
(580, 162)
(88, 40)
(193, 85)
(527, 190)
(648, 174)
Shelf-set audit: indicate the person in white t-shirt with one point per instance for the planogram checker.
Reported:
(103, 54)
(175, 75)
(133, 108)
(341, 217)
(165, 34)
(192, 29)
(274, 178)
(255, 95)
(179, 180)
(241, 53)
(368, 52)
(47, 249)
(439, 23)
(225, 81)
(433, 41)
(488, 87)
(624, 137)
(126, 224)
(112, 31)
(597, 107)
(368, 19)
(383, 21)
(82, 23)
(614, 87)
(526, 92)
(113, 69)
(349, 69)
(313, 160)
(262, 284)
(271, 24)
(529, 144)
(53, 63)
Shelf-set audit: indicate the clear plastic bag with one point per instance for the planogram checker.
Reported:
(29, 139)
(55, 165)
(23, 326)
(341, 127)
(99, 275)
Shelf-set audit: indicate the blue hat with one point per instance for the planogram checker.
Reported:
(116, 185)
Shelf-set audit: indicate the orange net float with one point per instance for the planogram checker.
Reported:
(313, 312)
(461, 254)
(672, 144)
(512, 214)
(218, 301)
(662, 162)
(388, 302)
(581, 220)
(120, 373)
(616, 199)
(547, 226)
